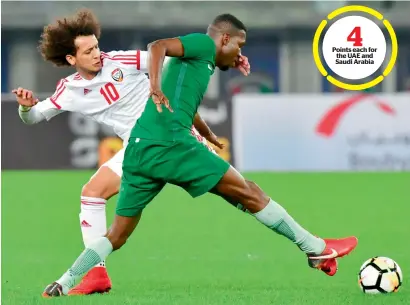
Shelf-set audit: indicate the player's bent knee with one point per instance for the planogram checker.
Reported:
(105, 183)
(90, 190)
(99, 189)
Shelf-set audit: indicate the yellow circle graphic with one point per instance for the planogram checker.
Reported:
(378, 79)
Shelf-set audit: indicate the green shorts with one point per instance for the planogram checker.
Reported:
(148, 165)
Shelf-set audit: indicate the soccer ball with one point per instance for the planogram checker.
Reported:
(380, 275)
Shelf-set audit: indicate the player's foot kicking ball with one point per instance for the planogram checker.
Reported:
(335, 248)
(96, 281)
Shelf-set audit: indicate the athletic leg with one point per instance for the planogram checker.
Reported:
(135, 193)
(131, 202)
(201, 171)
(104, 184)
(95, 252)
(321, 252)
(232, 202)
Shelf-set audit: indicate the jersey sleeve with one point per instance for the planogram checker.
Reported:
(132, 58)
(199, 46)
(53, 105)
(135, 59)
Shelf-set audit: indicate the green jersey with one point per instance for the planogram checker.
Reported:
(184, 82)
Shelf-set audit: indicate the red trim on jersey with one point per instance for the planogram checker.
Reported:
(77, 76)
(124, 58)
(133, 63)
(60, 89)
(103, 56)
(138, 60)
(119, 57)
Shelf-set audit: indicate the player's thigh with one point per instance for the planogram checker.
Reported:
(196, 168)
(105, 183)
(137, 189)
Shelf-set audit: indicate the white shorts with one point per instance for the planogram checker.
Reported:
(115, 163)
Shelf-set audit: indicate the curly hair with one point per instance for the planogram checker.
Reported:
(57, 40)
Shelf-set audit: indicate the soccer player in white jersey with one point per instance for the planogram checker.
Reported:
(110, 88)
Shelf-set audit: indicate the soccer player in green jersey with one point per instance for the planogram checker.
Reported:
(161, 150)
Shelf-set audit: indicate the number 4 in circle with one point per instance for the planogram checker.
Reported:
(356, 37)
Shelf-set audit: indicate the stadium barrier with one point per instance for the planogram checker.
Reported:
(321, 132)
(71, 141)
(270, 132)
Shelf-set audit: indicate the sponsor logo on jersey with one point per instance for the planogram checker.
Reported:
(117, 75)
(86, 91)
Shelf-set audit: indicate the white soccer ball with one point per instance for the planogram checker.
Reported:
(380, 275)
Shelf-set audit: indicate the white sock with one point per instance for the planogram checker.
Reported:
(93, 220)
(96, 252)
(277, 219)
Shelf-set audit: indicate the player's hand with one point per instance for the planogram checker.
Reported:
(212, 138)
(160, 99)
(242, 64)
(25, 97)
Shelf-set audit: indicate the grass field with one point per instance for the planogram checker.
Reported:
(203, 252)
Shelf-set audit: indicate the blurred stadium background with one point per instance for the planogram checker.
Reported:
(275, 120)
(279, 48)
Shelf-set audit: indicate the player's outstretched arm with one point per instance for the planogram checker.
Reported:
(30, 115)
(206, 132)
(31, 111)
(27, 106)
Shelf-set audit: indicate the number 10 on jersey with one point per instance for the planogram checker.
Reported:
(110, 93)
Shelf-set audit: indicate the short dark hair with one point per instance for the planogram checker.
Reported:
(231, 20)
(57, 40)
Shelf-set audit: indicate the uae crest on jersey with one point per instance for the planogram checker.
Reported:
(117, 75)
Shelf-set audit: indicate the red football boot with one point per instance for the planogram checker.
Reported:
(95, 281)
(335, 248)
(328, 266)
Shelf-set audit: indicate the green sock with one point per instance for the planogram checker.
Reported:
(91, 256)
(277, 219)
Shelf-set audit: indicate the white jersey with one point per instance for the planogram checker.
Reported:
(201, 139)
(116, 96)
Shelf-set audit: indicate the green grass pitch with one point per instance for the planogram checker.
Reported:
(202, 251)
